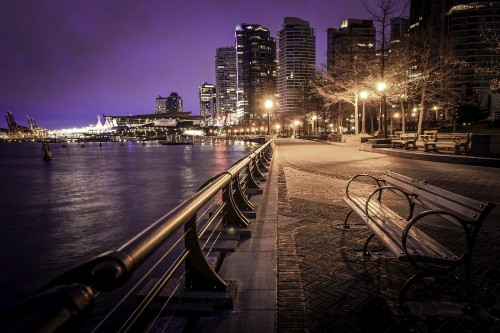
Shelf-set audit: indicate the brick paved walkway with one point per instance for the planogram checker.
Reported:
(324, 284)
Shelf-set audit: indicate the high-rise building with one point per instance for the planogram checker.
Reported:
(174, 103)
(354, 38)
(161, 104)
(426, 29)
(256, 71)
(207, 103)
(399, 30)
(297, 61)
(225, 84)
(470, 25)
(459, 32)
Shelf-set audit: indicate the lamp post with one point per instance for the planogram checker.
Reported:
(296, 124)
(269, 105)
(381, 86)
(363, 96)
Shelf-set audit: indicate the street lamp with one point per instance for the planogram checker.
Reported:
(363, 96)
(381, 86)
(314, 124)
(296, 123)
(269, 105)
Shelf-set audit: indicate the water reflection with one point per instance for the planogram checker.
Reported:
(89, 200)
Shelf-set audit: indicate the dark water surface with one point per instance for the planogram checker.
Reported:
(56, 214)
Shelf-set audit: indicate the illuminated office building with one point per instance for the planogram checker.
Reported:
(297, 61)
(469, 25)
(256, 71)
(207, 97)
(161, 104)
(225, 84)
(354, 38)
(460, 32)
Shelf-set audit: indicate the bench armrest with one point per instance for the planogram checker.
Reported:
(379, 182)
(414, 220)
(393, 189)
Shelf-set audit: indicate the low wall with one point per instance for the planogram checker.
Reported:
(485, 145)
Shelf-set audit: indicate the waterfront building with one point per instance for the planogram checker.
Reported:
(297, 61)
(161, 104)
(169, 119)
(256, 71)
(225, 84)
(207, 96)
(354, 38)
(174, 103)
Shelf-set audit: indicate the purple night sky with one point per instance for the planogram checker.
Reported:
(66, 62)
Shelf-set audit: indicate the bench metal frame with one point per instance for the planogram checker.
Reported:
(406, 141)
(407, 242)
(459, 141)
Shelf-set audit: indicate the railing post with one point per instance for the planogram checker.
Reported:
(244, 205)
(252, 186)
(232, 215)
(256, 173)
(199, 275)
(260, 163)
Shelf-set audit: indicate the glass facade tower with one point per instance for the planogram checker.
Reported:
(225, 84)
(256, 71)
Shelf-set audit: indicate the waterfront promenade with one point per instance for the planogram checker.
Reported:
(301, 271)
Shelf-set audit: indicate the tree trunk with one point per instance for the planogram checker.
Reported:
(356, 115)
(403, 117)
(421, 113)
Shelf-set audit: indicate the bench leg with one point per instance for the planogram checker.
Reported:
(469, 287)
(366, 253)
(346, 224)
(420, 276)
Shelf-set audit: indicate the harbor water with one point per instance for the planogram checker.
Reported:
(87, 200)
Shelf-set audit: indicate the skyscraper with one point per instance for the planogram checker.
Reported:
(161, 104)
(470, 25)
(460, 31)
(174, 103)
(207, 103)
(256, 70)
(297, 60)
(399, 30)
(225, 84)
(354, 38)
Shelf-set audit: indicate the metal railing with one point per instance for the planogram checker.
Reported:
(67, 301)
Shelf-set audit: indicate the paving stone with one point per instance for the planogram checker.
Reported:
(344, 292)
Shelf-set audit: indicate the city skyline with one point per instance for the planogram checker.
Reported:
(64, 64)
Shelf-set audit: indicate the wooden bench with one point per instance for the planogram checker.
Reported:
(401, 235)
(405, 140)
(460, 142)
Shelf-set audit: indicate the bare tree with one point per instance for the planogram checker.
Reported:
(381, 11)
(344, 83)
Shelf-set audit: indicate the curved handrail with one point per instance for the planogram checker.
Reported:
(421, 215)
(392, 189)
(379, 182)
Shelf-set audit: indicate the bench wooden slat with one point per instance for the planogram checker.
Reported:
(469, 208)
(389, 226)
(415, 236)
(391, 245)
